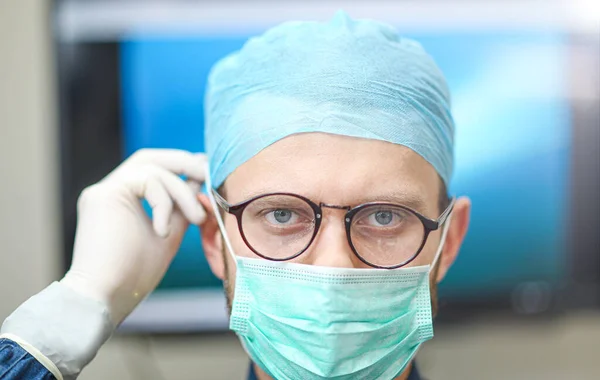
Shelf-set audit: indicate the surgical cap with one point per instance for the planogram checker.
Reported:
(347, 77)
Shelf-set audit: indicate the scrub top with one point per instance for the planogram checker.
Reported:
(18, 364)
(414, 374)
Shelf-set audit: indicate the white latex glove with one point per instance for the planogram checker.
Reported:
(120, 254)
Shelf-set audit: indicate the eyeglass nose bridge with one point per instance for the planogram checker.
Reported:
(335, 207)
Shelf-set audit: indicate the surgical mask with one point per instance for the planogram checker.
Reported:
(308, 322)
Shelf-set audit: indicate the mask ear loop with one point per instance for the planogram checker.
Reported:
(442, 241)
(434, 262)
(216, 209)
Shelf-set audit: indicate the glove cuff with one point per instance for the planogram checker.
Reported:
(65, 326)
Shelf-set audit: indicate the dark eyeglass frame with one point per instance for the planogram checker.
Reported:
(429, 225)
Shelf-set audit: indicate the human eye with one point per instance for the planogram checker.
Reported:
(384, 218)
(278, 215)
(281, 217)
(284, 222)
(386, 223)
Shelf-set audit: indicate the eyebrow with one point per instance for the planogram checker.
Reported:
(412, 201)
(407, 199)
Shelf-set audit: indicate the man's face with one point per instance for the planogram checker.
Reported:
(335, 170)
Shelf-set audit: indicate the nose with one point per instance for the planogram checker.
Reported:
(330, 247)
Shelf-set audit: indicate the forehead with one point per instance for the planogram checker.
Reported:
(337, 170)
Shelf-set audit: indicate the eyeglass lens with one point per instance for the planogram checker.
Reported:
(281, 226)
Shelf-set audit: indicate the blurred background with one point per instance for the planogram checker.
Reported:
(83, 84)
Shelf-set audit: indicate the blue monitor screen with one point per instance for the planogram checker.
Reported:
(512, 144)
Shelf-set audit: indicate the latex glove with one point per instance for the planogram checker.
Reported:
(120, 254)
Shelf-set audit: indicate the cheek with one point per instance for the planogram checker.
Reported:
(237, 242)
(230, 279)
(428, 251)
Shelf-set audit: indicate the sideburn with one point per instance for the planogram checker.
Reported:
(433, 289)
(227, 285)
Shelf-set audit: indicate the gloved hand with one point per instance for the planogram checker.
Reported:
(120, 254)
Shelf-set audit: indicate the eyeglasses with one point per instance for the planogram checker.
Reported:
(281, 226)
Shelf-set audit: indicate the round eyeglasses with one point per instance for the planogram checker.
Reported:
(281, 226)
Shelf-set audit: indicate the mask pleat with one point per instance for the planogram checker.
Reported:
(303, 322)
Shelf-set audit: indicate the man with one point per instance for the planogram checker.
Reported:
(330, 151)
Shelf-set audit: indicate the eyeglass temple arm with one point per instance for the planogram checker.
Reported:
(442, 219)
(221, 201)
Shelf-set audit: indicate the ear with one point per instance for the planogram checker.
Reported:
(457, 230)
(211, 239)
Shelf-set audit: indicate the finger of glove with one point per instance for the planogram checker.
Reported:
(162, 206)
(195, 187)
(192, 165)
(179, 225)
(183, 195)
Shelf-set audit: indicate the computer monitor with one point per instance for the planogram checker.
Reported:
(511, 100)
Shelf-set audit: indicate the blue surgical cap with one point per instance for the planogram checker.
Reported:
(347, 77)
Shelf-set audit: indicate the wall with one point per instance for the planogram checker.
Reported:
(29, 214)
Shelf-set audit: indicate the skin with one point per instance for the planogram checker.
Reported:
(336, 170)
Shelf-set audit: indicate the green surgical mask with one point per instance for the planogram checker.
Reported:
(308, 322)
